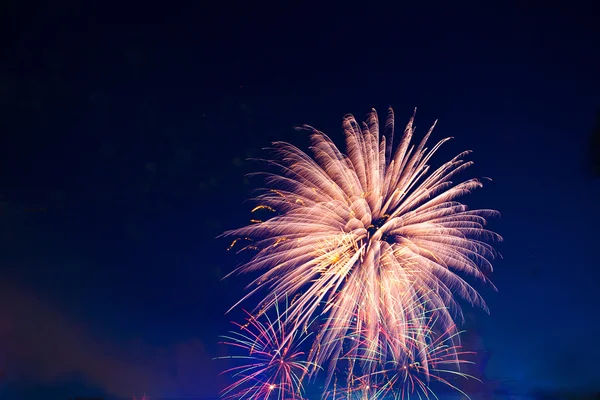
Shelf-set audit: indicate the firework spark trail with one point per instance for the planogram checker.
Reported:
(400, 378)
(272, 366)
(367, 239)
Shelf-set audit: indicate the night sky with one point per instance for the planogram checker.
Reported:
(126, 131)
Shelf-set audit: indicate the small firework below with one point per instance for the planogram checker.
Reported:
(271, 363)
(439, 360)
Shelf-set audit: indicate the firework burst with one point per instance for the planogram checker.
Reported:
(273, 363)
(371, 240)
(438, 359)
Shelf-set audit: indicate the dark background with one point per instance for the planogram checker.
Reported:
(125, 133)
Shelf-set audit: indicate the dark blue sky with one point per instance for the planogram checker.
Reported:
(125, 134)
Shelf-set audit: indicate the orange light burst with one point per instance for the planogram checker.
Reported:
(372, 240)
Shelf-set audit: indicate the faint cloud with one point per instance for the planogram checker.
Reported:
(43, 346)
